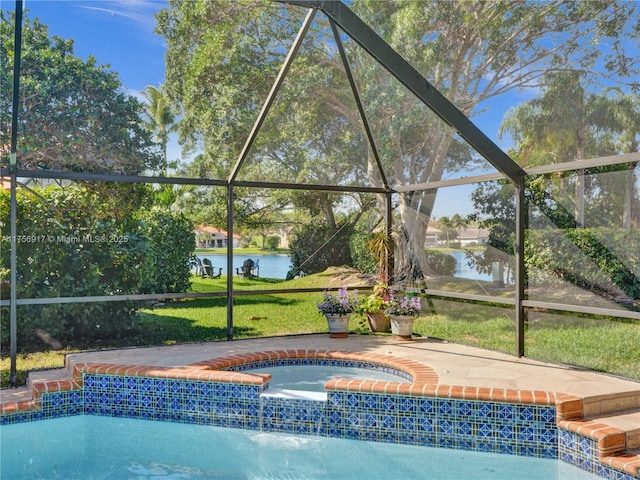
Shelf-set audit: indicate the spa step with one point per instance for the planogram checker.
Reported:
(603, 404)
(626, 420)
(615, 428)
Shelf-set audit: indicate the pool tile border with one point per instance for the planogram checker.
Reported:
(594, 447)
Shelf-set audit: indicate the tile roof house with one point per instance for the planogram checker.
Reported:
(211, 237)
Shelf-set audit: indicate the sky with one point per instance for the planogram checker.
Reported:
(118, 33)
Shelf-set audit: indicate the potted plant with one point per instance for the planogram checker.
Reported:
(337, 309)
(402, 312)
(371, 309)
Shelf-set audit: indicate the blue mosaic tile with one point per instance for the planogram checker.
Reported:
(445, 427)
(484, 410)
(426, 405)
(526, 414)
(371, 401)
(464, 409)
(389, 403)
(505, 412)
(446, 408)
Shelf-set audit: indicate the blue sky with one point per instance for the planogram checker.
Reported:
(119, 33)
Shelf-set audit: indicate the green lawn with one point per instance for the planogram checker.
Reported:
(602, 345)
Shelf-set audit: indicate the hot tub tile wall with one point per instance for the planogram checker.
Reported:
(287, 415)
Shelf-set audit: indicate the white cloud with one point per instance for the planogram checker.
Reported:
(138, 11)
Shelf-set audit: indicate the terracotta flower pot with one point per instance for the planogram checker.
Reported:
(338, 324)
(402, 326)
(378, 322)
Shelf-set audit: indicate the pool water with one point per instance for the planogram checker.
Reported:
(90, 447)
(312, 378)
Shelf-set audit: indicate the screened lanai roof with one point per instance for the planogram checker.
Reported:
(354, 95)
(344, 109)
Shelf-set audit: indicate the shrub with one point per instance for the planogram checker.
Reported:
(440, 263)
(69, 245)
(272, 242)
(600, 259)
(171, 242)
(363, 259)
(317, 247)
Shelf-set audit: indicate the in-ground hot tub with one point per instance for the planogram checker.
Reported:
(312, 376)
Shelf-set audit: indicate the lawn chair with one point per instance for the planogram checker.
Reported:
(248, 269)
(199, 268)
(207, 268)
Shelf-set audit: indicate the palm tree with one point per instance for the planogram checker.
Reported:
(561, 125)
(160, 119)
(625, 114)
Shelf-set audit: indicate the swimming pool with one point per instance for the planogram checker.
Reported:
(94, 447)
(425, 413)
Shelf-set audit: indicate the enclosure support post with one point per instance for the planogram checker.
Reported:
(13, 313)
(519, 270)
(13, 277)
(229, 261)
(388, 229)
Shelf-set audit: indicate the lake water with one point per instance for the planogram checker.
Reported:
(465, 270)
(277, 266)
(271, 266)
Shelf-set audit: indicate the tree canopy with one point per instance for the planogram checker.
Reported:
(73, 113)
(223, 57)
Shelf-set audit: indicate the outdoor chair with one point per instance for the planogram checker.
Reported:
(207, 268)
(249, 269)
(200, 268)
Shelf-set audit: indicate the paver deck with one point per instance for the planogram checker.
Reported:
(455, 364)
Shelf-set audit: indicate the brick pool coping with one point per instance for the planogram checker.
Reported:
(608, 442)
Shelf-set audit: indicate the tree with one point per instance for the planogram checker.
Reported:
(160, 118)
(448, 229)
(473, 52)
(223, 57)
(73, 114)
(568, 123)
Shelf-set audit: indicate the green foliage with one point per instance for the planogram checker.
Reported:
(171, 242)
(73, 114)
(363, 259)
(440, 263)
(69, 245)
(272, 242)
(601, 260)
(317, 247)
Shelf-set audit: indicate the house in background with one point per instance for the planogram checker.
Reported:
(471, 236)
(211, 237)
(466, 237)
(433, 236)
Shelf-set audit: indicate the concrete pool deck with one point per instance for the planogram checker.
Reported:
(606, 399)
(455, 364)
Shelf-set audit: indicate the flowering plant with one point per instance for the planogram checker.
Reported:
(341, 304)
(400, 305)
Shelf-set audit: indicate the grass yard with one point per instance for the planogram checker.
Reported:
(602, 345)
